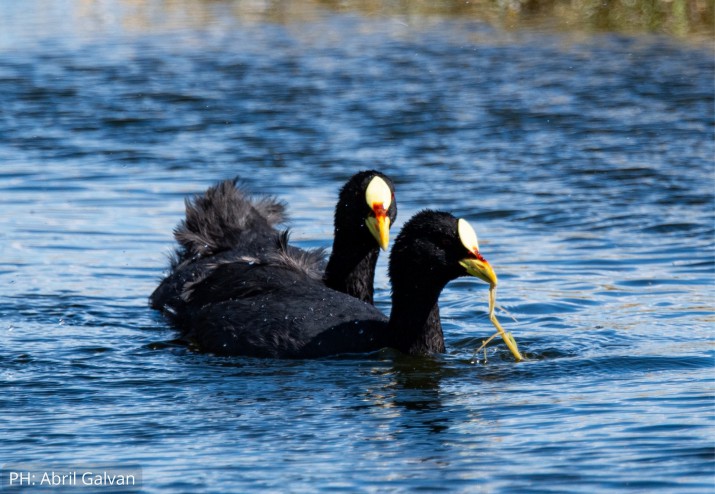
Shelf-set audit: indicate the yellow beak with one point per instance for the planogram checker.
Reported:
(379, 226)
(481, 269)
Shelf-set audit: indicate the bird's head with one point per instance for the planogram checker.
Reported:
(437, 245)
(367, 203)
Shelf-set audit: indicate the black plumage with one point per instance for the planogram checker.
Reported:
(228, 224)
(222, 224)
(275, 310)
(351, 266)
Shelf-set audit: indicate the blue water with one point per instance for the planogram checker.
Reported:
(585, 162)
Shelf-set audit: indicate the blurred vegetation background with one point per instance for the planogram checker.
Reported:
(672, 17)
(688, 20)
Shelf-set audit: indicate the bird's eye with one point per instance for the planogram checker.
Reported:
(444, 242)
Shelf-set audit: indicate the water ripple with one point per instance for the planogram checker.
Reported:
(583, 163)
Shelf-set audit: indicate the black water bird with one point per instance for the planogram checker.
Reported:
(273, 309)
(365, 211)
(226, 223)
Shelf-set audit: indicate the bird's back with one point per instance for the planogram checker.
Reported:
(274, 310)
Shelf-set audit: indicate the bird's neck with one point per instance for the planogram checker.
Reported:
(351, 268)
(414, 321)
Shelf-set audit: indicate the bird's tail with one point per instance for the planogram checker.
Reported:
(223, 217)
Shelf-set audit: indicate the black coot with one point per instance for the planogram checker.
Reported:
(272, 308)
(226, 223)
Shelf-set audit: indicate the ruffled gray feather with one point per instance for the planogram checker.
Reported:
(219, 219)
(308, 261)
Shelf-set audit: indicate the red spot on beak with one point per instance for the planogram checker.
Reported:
(379, 209)
(478, 256)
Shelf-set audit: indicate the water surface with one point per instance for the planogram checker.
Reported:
(585, 163)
